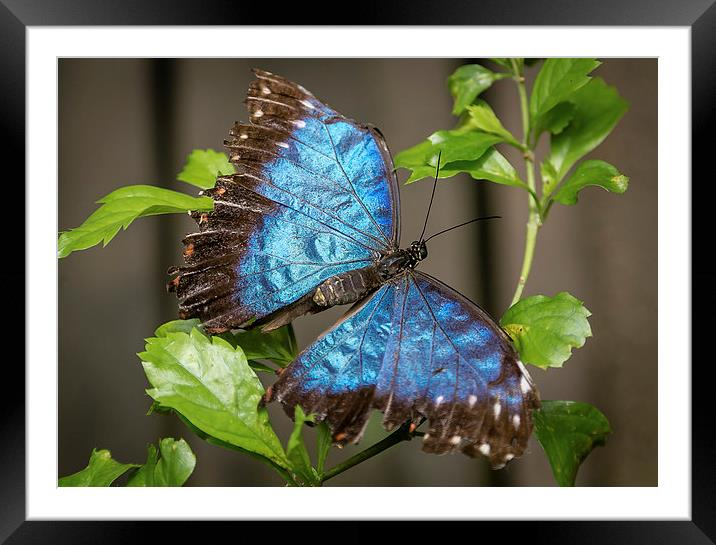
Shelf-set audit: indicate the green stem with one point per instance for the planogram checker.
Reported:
(401, 434)
(530, 242)
(534, 220)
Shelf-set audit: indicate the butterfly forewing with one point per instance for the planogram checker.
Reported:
(314, 196)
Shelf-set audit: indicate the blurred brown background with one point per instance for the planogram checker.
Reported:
(133, 121)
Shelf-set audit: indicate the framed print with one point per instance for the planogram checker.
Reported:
(302, 211)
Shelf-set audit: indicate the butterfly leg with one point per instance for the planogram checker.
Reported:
(284, 316)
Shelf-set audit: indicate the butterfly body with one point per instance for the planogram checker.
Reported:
(352, 286)
(310, 220)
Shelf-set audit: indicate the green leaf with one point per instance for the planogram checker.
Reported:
(598, 173)
(177, 326)
(172, 469)
(512, 64)
(558, 117)
(176, 463)
(598, 108)
(120, 208)
(545, 329)
(144, 476)
(467, 82)
(282, 470)
(422, 172)
(549, 178)
(568, 431)
(504, 62)
(556, 81)
(454, 146)
(102, 470)
(492, 166)
(203, 166)
(507, 62)
(278, 346)
(210, 383)
(484, 119)
(296, 450)
(458, 145)
(323, 441)
(413, 157)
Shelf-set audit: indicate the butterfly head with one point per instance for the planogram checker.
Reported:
(417, 252)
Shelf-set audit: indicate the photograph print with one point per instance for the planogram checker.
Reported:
(357, 272)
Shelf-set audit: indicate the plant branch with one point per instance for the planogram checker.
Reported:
(534, 220)
(403, 433)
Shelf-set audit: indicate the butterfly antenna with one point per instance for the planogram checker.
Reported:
(432, 196)
(465, 223)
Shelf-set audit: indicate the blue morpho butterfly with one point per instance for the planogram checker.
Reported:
(311, 220)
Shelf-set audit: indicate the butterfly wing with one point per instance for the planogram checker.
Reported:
(448, 361)
(416, 349)
(314, 195)
(335, 377)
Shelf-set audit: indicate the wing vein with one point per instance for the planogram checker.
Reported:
(353, 191)
(432, 313)
(312, 205)
(267, 182)
(321, 355)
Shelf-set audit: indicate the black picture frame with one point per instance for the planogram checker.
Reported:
(700, 16)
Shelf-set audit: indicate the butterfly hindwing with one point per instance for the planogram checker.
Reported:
(415, 349)
(335, 377)
(448, 361)
(314, 196)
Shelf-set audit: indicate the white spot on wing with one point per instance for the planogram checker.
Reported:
(307, 104)
(426, 437)
(472, 400)
(522, 367)
(265, 90)
(300, 123)
(497, 408)
(526, 380)
(484, 448)
(244, 136)
(258, 113)
(524, 385)
(439, 400)
(455, 439)
(509, 456)
(282, 145)
(516, 421)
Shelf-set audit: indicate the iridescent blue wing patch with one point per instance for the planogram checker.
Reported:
(314, 196)
(417, 349)
(448, 361)
(335, 377)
